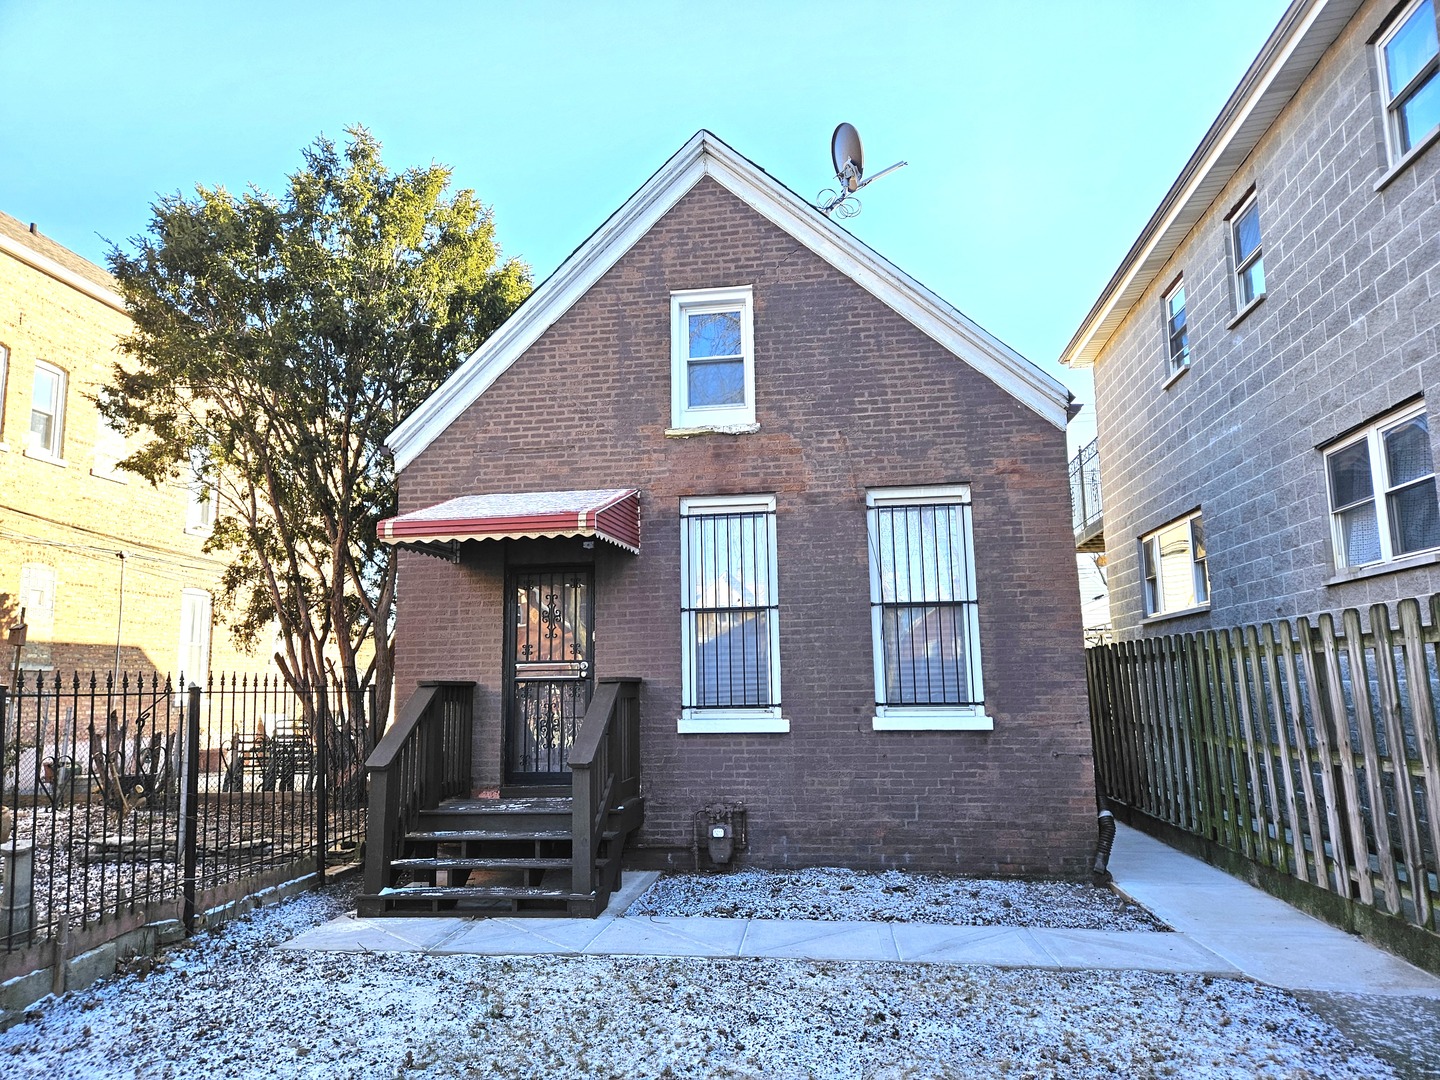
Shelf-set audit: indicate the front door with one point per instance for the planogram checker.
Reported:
(549, 676)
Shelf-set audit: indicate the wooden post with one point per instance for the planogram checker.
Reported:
(1276, 711)
(1319, 722)
(1389, 683)
(1295, 720)
(1422, 706)
(1338, 721)
(1365, 722)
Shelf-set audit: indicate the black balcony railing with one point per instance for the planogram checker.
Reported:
(1086, 509)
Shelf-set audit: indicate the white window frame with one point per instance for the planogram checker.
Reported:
(1176, 364)
(195, 606)
(1153, 597)
(202, 496)
(1373, 434)
(1395, 98)
(684, 416)
(52, 450)
(698, 719)
(908, 717)
(1252, 202)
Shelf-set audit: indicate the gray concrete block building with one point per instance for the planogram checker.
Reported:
(1267, 355)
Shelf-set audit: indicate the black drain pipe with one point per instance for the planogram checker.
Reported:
(1099, 873)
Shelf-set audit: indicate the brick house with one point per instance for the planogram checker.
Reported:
(1266, 355)
(108, 569)
(817, 513)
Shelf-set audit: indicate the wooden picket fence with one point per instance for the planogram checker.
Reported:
(1305, 747)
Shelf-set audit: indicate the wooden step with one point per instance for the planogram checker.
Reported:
(460, 836)
(491, 900)
(481, 864)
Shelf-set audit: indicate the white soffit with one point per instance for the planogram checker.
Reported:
(705, 155)
(1305, 31)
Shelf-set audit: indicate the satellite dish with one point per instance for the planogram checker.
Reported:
(848, 156)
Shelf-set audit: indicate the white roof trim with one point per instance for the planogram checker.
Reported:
(1307, 29)
(46, 265)
(705, 155)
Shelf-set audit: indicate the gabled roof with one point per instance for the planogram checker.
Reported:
(1304, 32)
(38, 251)
(705, 155)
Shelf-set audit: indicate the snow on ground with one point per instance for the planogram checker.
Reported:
(832, 894)
(229, 1004)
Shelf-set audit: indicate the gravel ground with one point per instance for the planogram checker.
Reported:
(80, 871)
(835, 895)
(229, 1004)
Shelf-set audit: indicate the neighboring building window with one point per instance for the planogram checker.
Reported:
(202, 495)
(730, 624)
(924, 614)
(1382, 491)
(1245, 241)
(109, 449)
(1177, 330)
(194, 660)
(1410, 77)
(47, 411)
(37, 599)
(712, 375)
(1174, 569)
(4, 381)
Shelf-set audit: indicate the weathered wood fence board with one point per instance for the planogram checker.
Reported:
(1305, 747)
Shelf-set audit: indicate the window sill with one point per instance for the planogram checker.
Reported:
(711, 429)
(40, 455)
(1162, 616)
(112, 476)
(1394, 566)
(1407, 159)
(1244, 312)
(732, 723)
(931, 720)
(1175, 376)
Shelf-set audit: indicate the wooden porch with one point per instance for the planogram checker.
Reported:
(432, 849)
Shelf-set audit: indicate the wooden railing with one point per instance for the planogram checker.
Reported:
(605, 761)
(1307, 748)
(423, 759)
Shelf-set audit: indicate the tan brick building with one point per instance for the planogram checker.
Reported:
(109, 569)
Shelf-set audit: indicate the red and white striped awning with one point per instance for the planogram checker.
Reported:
(609, 514)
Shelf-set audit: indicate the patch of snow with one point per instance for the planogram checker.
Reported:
(831, 894)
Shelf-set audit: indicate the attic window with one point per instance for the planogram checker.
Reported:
(712, 358)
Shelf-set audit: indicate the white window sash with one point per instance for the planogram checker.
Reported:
(925, 717)
(700, 302)
(1381, 488)
(697, 718)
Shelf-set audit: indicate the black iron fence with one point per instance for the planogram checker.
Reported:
(141, 797)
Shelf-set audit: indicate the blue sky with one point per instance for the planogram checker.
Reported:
(1040, 137)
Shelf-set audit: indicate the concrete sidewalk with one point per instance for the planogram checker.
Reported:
(1223, 927)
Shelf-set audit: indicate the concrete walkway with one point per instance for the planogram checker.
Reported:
(1223, 927)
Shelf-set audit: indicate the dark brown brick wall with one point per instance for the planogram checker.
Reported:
(850, 396)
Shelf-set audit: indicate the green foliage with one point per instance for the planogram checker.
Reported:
(282, 339)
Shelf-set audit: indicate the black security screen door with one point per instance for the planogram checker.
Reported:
(550, 615)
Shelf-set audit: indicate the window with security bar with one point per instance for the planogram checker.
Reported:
(730, 624)
(924, 610)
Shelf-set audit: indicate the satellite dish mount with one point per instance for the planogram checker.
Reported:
(848, 157)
